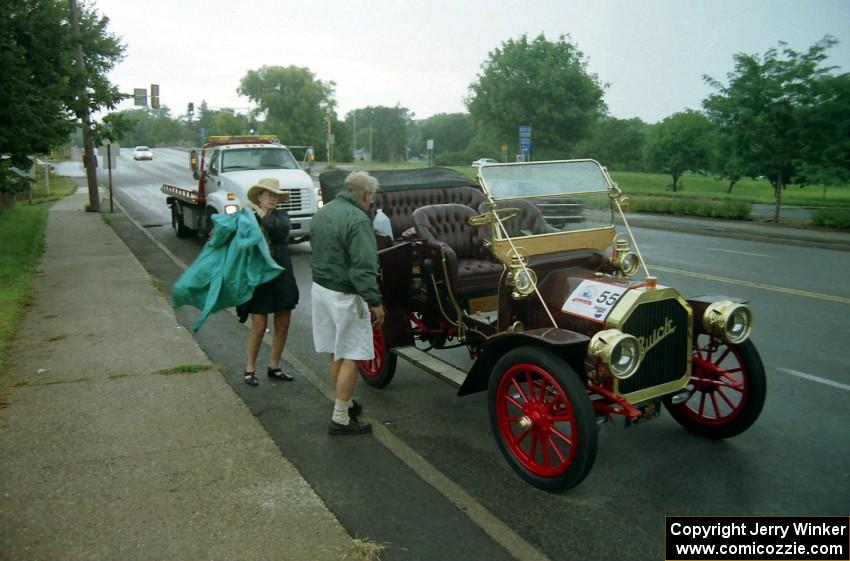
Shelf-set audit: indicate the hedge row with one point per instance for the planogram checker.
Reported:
(730, 210)
(832, 218)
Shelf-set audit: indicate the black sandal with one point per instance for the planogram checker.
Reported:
(279, 374)
(251, 379)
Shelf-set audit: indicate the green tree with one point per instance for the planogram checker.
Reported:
(227, 121)
(292, 102)
(616, 143)
(728, 161)
(825, 154)
(681, 142)
(771, 109)
(383, 129)
(39, 92)
(451, 132)
(540, 83)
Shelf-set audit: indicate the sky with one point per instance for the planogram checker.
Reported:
(423, 55)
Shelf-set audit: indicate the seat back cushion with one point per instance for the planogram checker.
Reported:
(448, 223)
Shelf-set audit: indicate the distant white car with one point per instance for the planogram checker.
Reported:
(142, 153)
(481, 161)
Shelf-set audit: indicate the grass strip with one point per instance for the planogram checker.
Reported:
(184, 369)
(22, 235)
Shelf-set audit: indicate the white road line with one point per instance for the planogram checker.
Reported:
(739, 252)
(491, 524)
(817, 379)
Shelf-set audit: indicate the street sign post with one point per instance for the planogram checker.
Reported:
(525, 142)
(112, 150)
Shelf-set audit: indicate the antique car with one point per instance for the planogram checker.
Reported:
(567, 327)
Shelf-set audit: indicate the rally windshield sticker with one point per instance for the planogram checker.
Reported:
(593, 300)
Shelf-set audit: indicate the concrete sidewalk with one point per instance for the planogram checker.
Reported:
(120, 439)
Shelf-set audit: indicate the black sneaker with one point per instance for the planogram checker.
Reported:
(353, 427)
(355, 409)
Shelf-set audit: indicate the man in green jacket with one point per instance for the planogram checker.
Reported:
(345, 292)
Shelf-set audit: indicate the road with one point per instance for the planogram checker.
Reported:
(432, 484)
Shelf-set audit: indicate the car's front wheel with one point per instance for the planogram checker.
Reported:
(728, 388)
(542, 418)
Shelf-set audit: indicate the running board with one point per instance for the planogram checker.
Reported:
(432, 365)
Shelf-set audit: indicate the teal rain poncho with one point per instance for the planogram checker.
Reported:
(234, 261)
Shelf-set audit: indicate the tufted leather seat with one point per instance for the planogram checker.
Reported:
(469, 264)
(400, 205)
(528, 222)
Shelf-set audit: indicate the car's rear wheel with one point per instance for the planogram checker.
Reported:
(728, 388)
(379, 371)
(177, 223)
(542, 418)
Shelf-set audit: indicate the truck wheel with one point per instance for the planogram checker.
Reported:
(542, 418)
(177, 223)
(728, 388)
(209, 226)
(379, 371)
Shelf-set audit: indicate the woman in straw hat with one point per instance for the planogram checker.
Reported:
(279, 296)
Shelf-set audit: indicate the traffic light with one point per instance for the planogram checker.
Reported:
(191, 108)
(155, 96)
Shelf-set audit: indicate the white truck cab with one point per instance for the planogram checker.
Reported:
(228, 167)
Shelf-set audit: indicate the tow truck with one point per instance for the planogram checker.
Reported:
(225, 168)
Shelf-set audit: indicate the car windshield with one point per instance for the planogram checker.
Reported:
(142, 148)
(257, 158)
(549, 197)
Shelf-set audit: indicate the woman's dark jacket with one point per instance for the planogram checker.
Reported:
(280, 293)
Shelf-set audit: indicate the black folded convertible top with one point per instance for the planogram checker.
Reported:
(398, 180)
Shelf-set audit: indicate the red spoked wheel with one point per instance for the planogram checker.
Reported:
(728, 388)
(542, 418)
(379, 371)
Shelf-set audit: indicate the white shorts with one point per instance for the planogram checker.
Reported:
(341, 324)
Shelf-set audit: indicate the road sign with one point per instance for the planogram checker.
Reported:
(140, 97)
(525, 140)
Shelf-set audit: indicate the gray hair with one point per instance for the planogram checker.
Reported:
(361, 182)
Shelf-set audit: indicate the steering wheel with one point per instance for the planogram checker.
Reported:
(490, 217)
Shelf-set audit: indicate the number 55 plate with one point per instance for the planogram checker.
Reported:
(593, 300)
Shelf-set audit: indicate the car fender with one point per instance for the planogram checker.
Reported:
(570, 345)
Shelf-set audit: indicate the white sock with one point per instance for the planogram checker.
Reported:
(341, 412)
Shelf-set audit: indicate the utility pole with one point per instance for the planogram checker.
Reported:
(88, 149)
(371, 116)
(354, 136)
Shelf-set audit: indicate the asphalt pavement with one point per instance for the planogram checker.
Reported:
(121, 438)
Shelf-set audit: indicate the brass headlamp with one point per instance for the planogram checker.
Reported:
(728, 320)
(521, 278)
(620, 352)
(624, 259)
